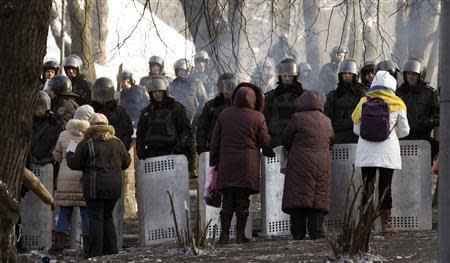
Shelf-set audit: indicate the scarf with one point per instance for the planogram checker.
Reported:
(394, 102)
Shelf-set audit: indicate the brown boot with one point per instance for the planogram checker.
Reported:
(225, 222)
(58, 245)
(241, 221)
(386, 222)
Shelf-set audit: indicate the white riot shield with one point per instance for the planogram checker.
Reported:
(411, 188)
(156, 176)
(212, 213)
(274, 221)
(342, 171)
(36, 215)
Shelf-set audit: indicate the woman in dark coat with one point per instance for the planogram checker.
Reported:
(239, 134)
(308, 138)
(102, 157)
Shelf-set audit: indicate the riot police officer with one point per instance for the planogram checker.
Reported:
(342, 101)
(307, 77)
(188, 92)
(103, 102)
(328, 73)
(421, 101)
(163, 126)
(264, 75)
(280, 102)
(50, 68)
(202, 74)
(63, 99)
(206, 122)
(133, 98)
(367, 73)
(73, 68)
(156, 67)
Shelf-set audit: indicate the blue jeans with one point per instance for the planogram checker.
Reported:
(65, 216)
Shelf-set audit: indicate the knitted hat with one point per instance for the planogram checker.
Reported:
(84, 112)
(98, 119)
(383, 80)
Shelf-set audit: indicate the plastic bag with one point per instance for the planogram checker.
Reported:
(211, 195)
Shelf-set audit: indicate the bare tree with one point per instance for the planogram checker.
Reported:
(24, 28)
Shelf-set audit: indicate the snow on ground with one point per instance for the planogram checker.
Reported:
(132, 40)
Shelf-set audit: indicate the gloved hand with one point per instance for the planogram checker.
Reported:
(69, 154)
(268, 152)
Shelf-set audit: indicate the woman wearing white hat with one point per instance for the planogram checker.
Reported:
(379, 120)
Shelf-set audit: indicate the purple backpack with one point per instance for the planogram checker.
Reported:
(375, 120)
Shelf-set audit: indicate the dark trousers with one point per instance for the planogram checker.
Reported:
(235, 199)
(302, 219)
(384, 185)
(102, 233)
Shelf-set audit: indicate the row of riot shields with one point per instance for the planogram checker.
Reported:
(158, 177)
(38, 221)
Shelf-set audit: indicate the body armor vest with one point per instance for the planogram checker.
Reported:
(283, 107)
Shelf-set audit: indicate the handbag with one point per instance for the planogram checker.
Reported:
(211, 195)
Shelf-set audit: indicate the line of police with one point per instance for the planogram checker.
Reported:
(174, 116)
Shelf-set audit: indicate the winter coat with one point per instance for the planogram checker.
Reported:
(207, 121)
(384, 154)
(308, 138)
(134, 100)
(102, 170)
(239, 134)
(278, 109)
(118, 118)
(163, 129)
(339, 107)
(64, 108)
(69, 190)
(45, 135)
(423, 110)
(82, 88)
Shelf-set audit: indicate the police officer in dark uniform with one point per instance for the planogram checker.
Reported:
(73, 66)
(367, 73)
(133, 98)
(156, 67)
(280, 102)
(63, 99)
(188, 92)
(206, 122)
(328, 73)
(50, 68)
(342, 101)
(103, 102)
(422, 103)
(163, 127)
(203, 73)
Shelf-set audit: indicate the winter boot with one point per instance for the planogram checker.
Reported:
(58, 245)
(386, 224)
(85, 245)
(241, 221)
(225, 222)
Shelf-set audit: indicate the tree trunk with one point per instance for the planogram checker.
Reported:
(24, 28)
(55, 26)
(81, 33)
(100, 10)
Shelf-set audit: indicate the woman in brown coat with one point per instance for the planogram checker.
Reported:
(239, 134)
(308, 138)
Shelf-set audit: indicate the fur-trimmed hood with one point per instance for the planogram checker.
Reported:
(77, 127)
(100, 132)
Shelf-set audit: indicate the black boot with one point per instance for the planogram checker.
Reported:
(225, 222)
(241, 221)
(58, 245)
(85, 245)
